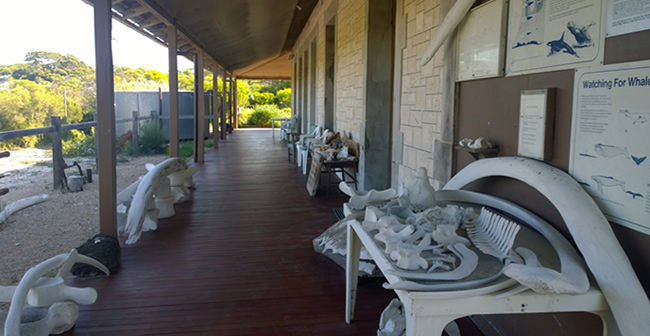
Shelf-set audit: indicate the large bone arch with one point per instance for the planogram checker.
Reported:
(587, 225)
(449, 23)
(143, 204)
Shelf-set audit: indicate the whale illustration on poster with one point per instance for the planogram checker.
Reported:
(546, 35)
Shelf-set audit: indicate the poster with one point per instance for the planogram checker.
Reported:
(627, 16)
(547, 35)
(609, 140)
(481, 42)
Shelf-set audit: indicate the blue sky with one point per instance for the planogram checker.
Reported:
(66, 27)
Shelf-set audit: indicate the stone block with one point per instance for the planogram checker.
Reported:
(428, 118)
(409, 11)
(428, 19)
(421, 39)
(412, 157)
(408, 98)
(420, 97)
(415, 118)
(423, 158)
(419, 21)
(427, 135)
(433, 84)
(410, 29)
(436, 103)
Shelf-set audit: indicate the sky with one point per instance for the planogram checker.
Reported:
(66, 27)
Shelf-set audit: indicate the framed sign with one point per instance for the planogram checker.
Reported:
(481, 42)
(314, 173)
(536, 118)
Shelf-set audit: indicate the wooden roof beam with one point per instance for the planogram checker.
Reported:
(133, 12)
(164, 17)
(161, 14)
(150, 24)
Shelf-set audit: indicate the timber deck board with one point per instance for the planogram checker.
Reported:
(236, 259)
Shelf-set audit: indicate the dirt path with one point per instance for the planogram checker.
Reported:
(61, 223)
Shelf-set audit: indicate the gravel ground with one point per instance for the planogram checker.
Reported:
(61, 223)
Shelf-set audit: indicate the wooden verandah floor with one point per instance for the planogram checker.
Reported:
(237, 259)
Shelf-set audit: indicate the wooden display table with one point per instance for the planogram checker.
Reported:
(428, 312)
(347, 168)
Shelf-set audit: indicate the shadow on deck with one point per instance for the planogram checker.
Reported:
(237, 259)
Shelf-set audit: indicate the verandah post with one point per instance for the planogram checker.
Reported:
(105, 131)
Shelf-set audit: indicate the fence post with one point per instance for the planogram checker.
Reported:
(154, 118)
(135, 133)
(58, 165)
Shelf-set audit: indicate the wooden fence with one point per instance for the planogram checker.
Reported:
(56, 129)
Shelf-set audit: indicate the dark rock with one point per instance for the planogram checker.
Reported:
(103, 248)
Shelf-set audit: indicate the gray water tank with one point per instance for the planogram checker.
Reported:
(146, 101)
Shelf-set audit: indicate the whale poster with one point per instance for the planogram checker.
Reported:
(549, 35)
(609, 140)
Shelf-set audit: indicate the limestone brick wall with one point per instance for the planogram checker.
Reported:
(418, 112)
(315, 30)
(421, 92)
(351, 22)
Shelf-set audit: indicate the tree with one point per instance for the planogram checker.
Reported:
(283, 98)
(274, 86)
(59, 72)
(138, 79)
(28, 104)
(52, 67)
(186, 80)
(266, 98)
(243, 93)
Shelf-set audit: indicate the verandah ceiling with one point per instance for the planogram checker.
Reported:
(249, 38)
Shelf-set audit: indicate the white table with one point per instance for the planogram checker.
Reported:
(273, 124)
(427, 313)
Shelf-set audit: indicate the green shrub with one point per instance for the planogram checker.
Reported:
(283, 113)
(262, 115)
(127, 148)
(186, 148)
(79, 144)
(244, 114)
(152, 139)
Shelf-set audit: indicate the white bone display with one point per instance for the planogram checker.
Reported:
(37, 290)
(154, 197)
